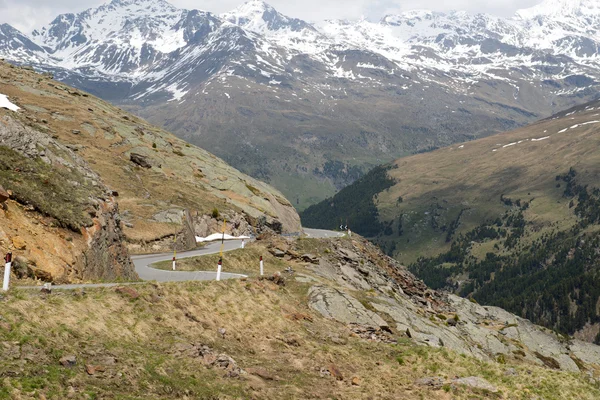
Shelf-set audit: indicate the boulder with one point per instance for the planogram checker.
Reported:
(41, 274)
(93, 369)
(335, 304)
(432, 382)
(311, 258)
(68, 361)
(140, 160)
(19, 243)
(293, 254)
(277, 253)
(477, 383)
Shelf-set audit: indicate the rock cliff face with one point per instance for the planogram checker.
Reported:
(107, 257)
(57, 241)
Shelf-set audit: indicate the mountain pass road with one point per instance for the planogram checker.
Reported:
(146, 273)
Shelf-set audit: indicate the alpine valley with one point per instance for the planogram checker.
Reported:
(511, 220)
(288, 101)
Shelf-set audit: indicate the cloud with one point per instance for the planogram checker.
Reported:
(26, 15)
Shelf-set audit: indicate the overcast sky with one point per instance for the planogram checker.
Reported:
(29, 14)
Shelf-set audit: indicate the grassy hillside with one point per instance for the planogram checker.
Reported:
(65, 154)
(511, 219)
(253, 339)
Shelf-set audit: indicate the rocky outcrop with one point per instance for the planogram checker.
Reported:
(236, 224)
(106, 257)
(430, 318)
(61, 244)
(140, 160)
(335, 304)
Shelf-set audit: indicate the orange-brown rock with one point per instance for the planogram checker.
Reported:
(128, 291)
(3, 195)
(19, 243)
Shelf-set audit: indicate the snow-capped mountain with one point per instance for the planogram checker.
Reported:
(260, 17)
(141, 41)
(123, 38)
(17, 47)
(323, 100)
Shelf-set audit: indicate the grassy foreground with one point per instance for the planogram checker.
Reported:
(134, 344)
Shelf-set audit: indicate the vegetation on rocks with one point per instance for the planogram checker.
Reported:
(59, 193)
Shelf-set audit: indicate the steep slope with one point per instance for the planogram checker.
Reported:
(161, 185)
(513, 219)
(346, 323)
(287, 101)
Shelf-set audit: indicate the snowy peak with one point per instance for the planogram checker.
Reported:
(128, 3)
(408, 17)
(19, 46)
(133, 20)
(561, 8)
(146, 7)
(260, 17)
(136, 40)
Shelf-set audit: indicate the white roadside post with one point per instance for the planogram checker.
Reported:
(262, 270)
(8, 262)
(174, 251)
(219, 266)
(243, 243)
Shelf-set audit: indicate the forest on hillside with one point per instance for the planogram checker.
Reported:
(553, 281)
(353, 206)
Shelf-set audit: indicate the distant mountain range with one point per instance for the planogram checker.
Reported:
(310, 107)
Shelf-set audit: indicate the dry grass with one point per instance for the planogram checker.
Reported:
(264, 327)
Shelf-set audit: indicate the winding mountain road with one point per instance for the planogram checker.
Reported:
(322, 233)
(146, 273)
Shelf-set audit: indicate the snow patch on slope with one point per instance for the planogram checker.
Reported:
(5, 103)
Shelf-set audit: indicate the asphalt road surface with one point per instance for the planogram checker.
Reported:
(322, 234)
(146, 273)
